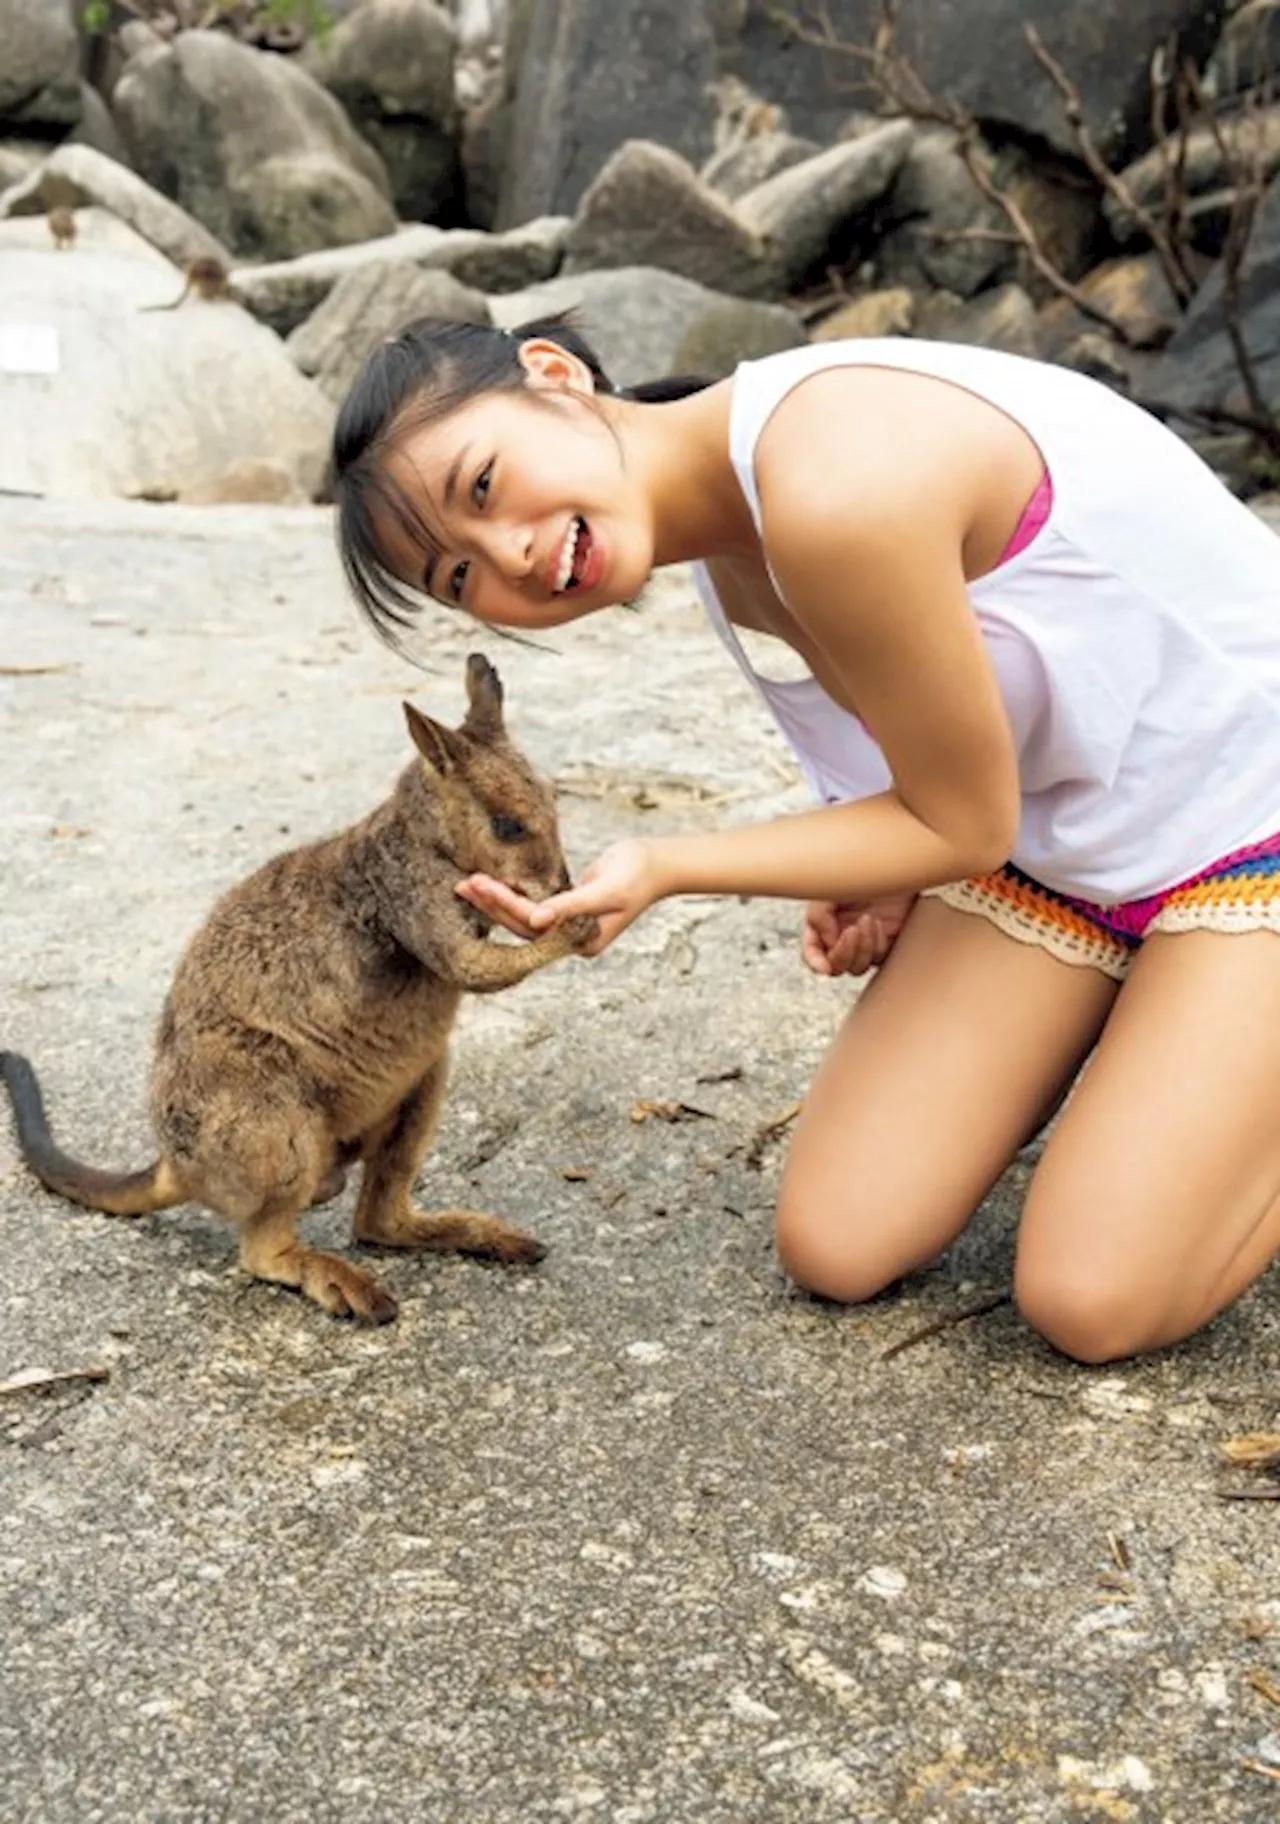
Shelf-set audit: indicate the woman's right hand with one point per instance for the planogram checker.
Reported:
(850, 938)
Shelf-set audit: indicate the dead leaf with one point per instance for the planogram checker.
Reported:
(766, 1135)
(1253, 1450)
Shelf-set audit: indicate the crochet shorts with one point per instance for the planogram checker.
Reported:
(1241, 892)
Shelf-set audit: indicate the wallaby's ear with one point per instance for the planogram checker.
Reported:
(431, 741)
(484, 699)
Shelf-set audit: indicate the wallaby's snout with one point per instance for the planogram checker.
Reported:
(499, 815)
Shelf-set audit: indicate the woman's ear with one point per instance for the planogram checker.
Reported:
(548, 365)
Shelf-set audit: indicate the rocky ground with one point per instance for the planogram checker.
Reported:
(636, 1535)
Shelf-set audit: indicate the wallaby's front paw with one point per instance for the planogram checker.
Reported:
(580, 930)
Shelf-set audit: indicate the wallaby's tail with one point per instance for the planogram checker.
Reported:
(115, 1193)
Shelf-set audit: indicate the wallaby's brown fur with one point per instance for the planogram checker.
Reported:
(308, 1021)
(206, 276)
(62, 227)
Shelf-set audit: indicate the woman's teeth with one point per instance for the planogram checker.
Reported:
(564, 575)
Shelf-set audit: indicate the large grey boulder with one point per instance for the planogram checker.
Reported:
(1247, 56)
(391, 65)
(39, 64)
(76, 176)
(1210, 159)
(744, 163)
(642, 322)
(252, 146)
(1199, 366)
(805, 213)
(286, 292)
(648, 207)
(143, 401)
(365, 308)
(943, 232)
(595, 73)
(975, 51)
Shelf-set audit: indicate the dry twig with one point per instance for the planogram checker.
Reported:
(962, 1316)
(39, 1380)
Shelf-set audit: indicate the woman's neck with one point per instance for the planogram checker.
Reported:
(679, 452)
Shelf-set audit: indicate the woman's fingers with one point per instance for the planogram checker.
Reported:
(499, 902)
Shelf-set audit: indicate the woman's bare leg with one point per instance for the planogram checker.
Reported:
(1158, 1198)
(959, 1047)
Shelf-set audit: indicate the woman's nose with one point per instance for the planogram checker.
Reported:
(513, 551)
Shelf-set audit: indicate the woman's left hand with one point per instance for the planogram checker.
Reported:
(616, 889)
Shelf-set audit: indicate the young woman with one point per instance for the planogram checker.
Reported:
(1043, 723)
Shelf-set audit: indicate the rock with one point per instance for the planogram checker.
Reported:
(40, 68)
(1133, 291)
(1003, 317)
(649, 207)
(594, 74)
(146, 403)
(638, 318)
(975, 52)
(504, 262)
(731, 330)
(936, 217)
(879, 313)
(807, 212)
(1101, 357)
(1247, 56)
(77, 175)
(251, 146)
(285, 294)
(1207, 175)
(253, 480)
(96, 129)
(97, 231)
(944, 233)
(743, 165)
(18, 158)
(391, 65)
(369, 306)
(1199, 366)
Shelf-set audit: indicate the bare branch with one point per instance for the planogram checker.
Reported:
(1181, 283)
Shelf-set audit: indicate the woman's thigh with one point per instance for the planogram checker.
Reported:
(1158, 1198)
(943, 1068)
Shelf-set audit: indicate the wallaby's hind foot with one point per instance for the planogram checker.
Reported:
(270, 1250)
(448, 1231)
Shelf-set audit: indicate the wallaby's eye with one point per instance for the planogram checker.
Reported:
(457, 581)
(482, 483)
(508, 829)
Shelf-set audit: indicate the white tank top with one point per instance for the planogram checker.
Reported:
(1136, 638)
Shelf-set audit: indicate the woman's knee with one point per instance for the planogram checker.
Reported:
(832, 1254)
(1084, 1311)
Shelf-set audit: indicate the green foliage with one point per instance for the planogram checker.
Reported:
(99, 17)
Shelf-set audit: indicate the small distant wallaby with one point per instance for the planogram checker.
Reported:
(207, 277)
(62, 227)
(308, 1021)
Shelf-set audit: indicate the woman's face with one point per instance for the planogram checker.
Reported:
(533, 518)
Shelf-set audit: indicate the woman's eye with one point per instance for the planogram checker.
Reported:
(508, 829)
(457, 581)
(482, 483)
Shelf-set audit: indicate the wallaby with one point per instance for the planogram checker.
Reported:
(206, 276)
(62, 227)
(308, 1021)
